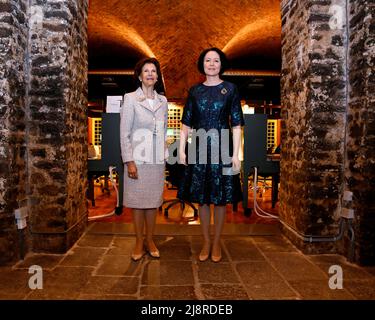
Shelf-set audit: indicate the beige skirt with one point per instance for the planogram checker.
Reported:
(146, 192)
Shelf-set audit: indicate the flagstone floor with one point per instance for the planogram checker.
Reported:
(259, 266)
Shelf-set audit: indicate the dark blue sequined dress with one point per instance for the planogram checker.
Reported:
(212, 107)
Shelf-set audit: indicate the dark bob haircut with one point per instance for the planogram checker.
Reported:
(223, 60)
(138, 70)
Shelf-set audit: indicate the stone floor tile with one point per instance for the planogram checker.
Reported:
(62, 283)
(361, 289)
(159, 272)
(66, 278)
(13, 296)
(83, 256)
(263, 281)
(210, 272)
(326, 259)
(224, 292)
(349, 271)
(85, 296)
(370, 270)
(167, 293)
(294, 266)
(271, 290)
(108, 228)
(14, 282)
(101, 285)
(53, 295)
(273, 244)
(92, 240)
(46, 261)
(167, 241)
(122, 246)
(241, 250)
(268, 239)
(116, 265)
(255, 272)
(175, 252)
(319, 290)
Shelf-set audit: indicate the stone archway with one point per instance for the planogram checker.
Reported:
(328, 129)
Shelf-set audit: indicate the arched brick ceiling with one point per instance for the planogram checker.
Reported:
(175, 32)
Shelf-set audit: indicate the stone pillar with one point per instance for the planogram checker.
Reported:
(314, 118)
(360, 149)
(57, 137)
(13, 43)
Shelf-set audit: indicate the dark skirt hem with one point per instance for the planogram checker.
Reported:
(208, 203)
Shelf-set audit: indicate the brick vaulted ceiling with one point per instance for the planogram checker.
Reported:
(175, 32)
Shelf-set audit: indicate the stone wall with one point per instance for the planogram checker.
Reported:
(58, 130)
(76, 121)
(360, 165)
(13, 41)
(314, 118)
(43, 147)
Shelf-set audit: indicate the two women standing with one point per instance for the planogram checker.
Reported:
(211, 105)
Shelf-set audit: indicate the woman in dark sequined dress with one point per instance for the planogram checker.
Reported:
(212, 111)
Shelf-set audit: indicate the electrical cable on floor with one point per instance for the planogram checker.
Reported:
(111, 173)
(263, 213)
(306, 238)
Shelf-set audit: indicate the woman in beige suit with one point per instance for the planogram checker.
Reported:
(143, 148)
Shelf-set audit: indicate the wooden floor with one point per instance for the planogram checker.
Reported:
(105, 202)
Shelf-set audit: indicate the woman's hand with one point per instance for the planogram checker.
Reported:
(132, 170)
(182, 158)
(184, 133)
(236, 164)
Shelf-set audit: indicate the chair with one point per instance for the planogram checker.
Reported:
(97, 176)
(255, 155)
(174, 177)
(110, 156)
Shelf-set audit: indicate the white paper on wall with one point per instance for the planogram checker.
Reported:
(113, 104)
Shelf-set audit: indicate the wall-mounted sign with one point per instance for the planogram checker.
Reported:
(113, 104)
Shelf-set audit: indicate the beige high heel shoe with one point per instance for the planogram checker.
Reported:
(138, 256)
(203, 256)
(216, 258)
(155, 253)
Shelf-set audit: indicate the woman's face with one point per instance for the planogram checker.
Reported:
(212, 63)
(149, 75)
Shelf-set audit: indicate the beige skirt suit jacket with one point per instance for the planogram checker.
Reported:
(143, 132)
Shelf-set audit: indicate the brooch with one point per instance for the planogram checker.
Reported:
(223, 91)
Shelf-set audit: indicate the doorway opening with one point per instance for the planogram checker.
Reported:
(255, 55)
